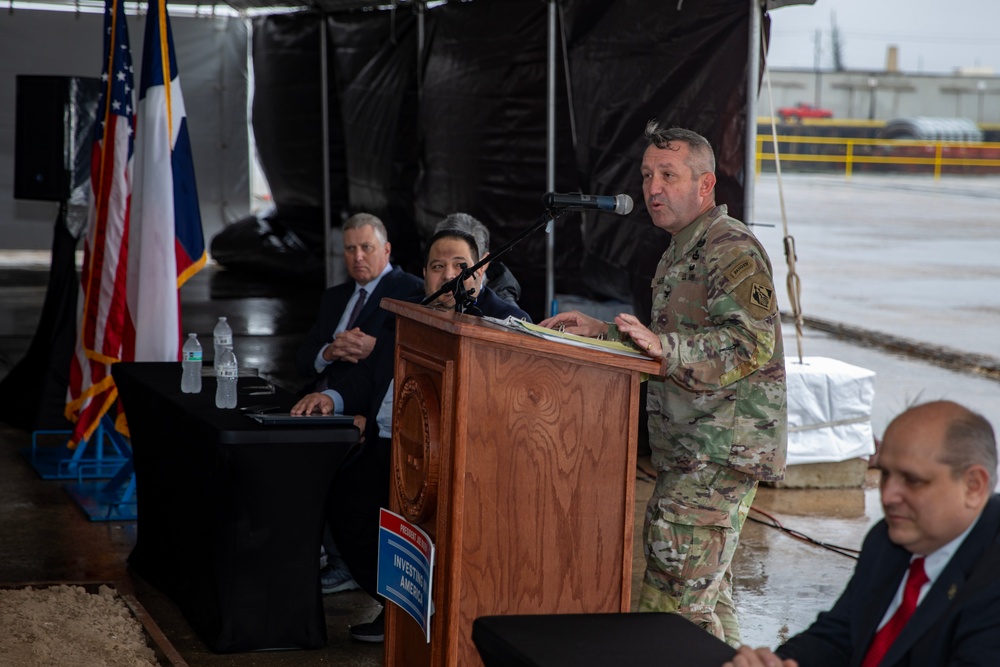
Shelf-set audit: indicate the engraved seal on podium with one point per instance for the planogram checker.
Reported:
(416, 445)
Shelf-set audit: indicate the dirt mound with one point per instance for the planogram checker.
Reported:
(69, 627)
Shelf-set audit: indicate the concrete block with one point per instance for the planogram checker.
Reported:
(839, 475)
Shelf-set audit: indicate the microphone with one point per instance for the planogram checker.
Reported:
(620, 204)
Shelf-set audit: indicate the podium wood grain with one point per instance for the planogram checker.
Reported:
(517, 456)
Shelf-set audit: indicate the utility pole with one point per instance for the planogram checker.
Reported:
(818, 96)
(872, 87)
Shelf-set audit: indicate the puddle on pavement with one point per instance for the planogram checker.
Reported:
(781, 583)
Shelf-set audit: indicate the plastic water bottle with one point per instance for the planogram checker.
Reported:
(223, 337)
(226, 373)
(191, 363)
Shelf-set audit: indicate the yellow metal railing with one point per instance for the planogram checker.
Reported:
(983, 157)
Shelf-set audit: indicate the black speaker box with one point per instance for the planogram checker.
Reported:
(54, 119)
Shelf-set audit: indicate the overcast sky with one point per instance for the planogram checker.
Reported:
(933, 36)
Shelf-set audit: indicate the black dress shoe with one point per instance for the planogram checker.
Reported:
(372, 632)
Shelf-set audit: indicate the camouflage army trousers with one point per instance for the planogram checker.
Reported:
(692, 527)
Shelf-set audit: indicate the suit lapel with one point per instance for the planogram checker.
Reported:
(926, 615)
(339, 304)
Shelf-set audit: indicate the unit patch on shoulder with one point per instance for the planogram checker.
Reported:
(747, 281)
(761, 296)
(756, 296)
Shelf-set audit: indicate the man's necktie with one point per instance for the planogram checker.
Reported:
(323, 382)
(358, 305)
(915, 580)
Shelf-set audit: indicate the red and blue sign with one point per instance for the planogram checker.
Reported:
(406, 567)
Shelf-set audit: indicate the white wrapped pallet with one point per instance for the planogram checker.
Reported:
(829, 411)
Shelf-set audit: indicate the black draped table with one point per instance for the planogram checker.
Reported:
(230, 512)
(597, 640)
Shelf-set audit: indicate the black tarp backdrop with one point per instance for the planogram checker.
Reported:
(483, 120)
(288, 240)
(459, 124)
(685, 64)
(373, 58)
(33, 394)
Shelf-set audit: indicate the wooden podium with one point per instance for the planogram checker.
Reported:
(516, 454)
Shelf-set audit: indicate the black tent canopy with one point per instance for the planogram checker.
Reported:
(426, 108)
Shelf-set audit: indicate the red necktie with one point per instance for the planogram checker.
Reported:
(884, 638)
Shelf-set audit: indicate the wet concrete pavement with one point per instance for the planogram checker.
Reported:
(904, 255)
(893, 257)
(897, 256)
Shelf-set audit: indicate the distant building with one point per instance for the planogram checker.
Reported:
(972, 93)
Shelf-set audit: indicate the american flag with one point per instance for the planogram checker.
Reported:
(101, 314)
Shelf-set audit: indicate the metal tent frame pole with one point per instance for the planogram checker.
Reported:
(550, 161)
(328, 236)
(753, 76)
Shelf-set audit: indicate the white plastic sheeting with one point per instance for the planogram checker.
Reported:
(212, 58)
(829, 410)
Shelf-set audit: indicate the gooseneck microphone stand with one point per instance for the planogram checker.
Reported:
(465, 300)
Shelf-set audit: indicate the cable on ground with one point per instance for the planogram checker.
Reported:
(774, 523)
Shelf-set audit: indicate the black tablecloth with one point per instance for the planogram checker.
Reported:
(596, 640)
(230, 512)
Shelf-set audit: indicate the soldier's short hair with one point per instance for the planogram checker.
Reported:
(701, 159)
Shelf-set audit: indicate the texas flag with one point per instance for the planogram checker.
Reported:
(166, 245)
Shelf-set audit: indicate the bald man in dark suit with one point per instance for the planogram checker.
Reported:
(938, 547)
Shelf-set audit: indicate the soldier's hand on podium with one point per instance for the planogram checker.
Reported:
(642, 337)
(575, 322)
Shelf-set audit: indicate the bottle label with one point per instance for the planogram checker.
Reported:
(225, 340)
(192, 356)
(227, 372)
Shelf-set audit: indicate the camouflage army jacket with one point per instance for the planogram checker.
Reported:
(715, 312)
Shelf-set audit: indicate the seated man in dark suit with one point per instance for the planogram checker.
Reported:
(448, 250)
(362, 486)
(926, 590)
(346, 328)
(349, 317)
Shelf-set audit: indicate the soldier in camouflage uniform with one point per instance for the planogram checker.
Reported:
(717, 418)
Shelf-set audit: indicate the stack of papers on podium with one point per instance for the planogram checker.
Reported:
(567, 338)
